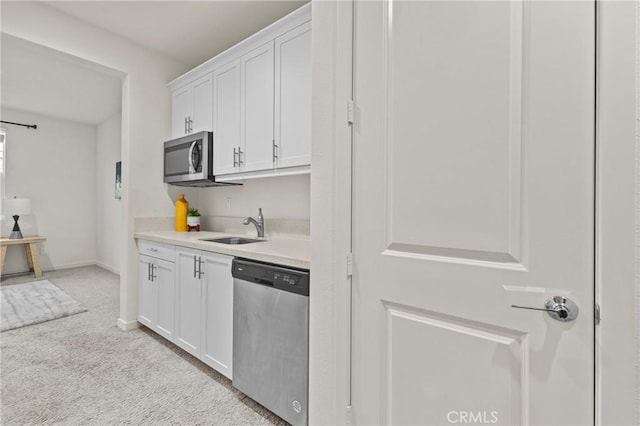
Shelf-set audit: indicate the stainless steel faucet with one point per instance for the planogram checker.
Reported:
(259, 224)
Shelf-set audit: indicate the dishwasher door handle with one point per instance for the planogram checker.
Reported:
(264, 282)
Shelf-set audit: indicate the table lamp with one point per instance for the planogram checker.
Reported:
(16, 207)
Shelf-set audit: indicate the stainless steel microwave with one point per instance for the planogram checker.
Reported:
(188, 161)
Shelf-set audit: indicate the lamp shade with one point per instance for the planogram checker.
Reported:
(17, 206)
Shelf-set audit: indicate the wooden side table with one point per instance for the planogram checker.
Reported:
(30, 246)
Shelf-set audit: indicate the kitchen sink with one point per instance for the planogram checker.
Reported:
(232, 240)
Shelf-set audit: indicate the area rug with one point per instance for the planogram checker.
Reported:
(33, 303)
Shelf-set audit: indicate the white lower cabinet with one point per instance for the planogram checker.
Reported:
(147, 298)
(156, 283)
(217, 312)
(204, 307)
(187, 301)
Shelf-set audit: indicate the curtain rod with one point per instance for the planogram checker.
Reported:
(28, 126)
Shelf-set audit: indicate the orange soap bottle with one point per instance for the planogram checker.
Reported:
(182, 207)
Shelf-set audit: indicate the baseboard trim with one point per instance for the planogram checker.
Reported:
(107, 267)
(51, 268)
(68, 266)
(127, 325)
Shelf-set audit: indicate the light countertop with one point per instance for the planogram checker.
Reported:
(287, 252)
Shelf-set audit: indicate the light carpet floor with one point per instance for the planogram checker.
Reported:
(82, 369)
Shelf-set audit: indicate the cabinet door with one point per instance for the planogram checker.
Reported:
(187, 301)
(257, 109)
(202, 104)
(164, 279)
(226, 118)
(147, 306)
(180, 108)
(217, 312)
(293, 97)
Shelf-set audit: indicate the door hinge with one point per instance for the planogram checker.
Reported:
(350, 108)
(349, 264)
(597, 314)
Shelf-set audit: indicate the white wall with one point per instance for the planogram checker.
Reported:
(329, 315)
(54, 167)
(108, 208)
(282, 197)
(618, 234)
(146, 112)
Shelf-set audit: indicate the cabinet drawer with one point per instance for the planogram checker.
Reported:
(159, 250)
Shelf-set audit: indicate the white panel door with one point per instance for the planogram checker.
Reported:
(164, 278)
(188, 300)
(180, 110)
(217, 312)
(257, 109)
(473, 192)
(226, 118)
(293, 97)
(202, 104)
(147, 298)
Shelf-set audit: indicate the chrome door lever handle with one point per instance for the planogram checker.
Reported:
(558, 307)
(533, 309)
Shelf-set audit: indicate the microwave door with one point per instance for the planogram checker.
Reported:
(183, 161)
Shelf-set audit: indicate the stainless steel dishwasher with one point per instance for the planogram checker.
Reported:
(271, 337)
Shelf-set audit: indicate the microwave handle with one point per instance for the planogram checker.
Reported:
(192, 167)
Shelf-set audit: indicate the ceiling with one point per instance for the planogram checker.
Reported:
(43, 81)
(189, 31)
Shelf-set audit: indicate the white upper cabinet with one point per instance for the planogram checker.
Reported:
(257, 109)
(180, 111)
(256, 97)
(192, 107)
(293, 97)
(202, 104)
(226, 118)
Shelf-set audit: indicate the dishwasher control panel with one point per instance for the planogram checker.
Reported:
(279, 277)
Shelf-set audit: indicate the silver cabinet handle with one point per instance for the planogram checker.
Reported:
(274, 150)
(558, 307)
(152, 250)
(185, 126)
(235, 164)
(200, 262)
(190, 125)
(148, 271)
(194, 267)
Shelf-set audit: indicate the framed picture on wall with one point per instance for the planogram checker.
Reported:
(119, 180)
